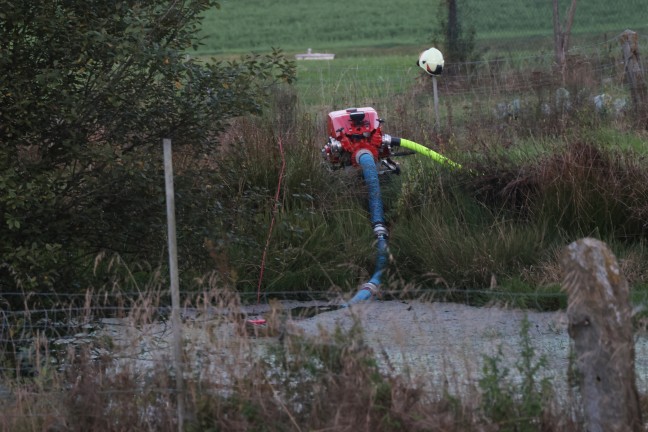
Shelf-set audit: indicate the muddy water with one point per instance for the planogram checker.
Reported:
(442, 345)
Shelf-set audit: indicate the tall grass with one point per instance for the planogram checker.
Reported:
(534, 181)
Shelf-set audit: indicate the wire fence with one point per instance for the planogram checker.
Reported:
(77, 316)
(52, 322)
(595, 75)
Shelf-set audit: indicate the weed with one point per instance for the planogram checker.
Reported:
(515, 406)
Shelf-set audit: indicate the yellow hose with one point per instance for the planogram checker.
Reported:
(428, 152)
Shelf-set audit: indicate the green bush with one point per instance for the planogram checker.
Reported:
(90, 89)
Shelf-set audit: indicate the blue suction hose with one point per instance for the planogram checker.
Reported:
(370, 172)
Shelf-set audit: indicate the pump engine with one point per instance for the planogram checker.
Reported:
(353, 130)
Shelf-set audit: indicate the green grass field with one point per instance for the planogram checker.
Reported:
(404, 26)
(376, 44)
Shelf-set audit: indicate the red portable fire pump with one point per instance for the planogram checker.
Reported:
(352, 130)
(356, 139)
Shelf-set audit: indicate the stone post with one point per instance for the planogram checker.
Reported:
(600, 325)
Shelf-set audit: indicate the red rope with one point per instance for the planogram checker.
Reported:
(272, 222)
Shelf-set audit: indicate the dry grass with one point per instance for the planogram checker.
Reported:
(119, 377)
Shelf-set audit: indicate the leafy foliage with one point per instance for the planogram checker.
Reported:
(516, 406)
(89, 90)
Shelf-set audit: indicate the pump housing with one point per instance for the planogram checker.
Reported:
(352, 130)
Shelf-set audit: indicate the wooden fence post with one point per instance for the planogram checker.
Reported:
(634, 75)
(600, 325)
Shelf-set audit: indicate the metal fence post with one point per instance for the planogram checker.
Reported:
(176, 322)
(436, 102)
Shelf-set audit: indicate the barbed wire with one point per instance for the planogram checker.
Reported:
(315, 294)
(18, 326)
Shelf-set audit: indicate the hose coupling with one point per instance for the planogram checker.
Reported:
(361, 152)
(380, 230)
(388, 140)
(334, 146)
(371, 287)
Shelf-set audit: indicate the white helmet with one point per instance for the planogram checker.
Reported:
(431, 61)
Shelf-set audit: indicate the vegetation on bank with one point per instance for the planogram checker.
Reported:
(527, 191)
(82, 169)
(329, 383)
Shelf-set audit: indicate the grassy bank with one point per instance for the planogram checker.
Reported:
(537, 182)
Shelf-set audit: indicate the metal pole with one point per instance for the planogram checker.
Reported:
(436, 102)
(176, 322)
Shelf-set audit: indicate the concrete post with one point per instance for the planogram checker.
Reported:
(600, 326)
